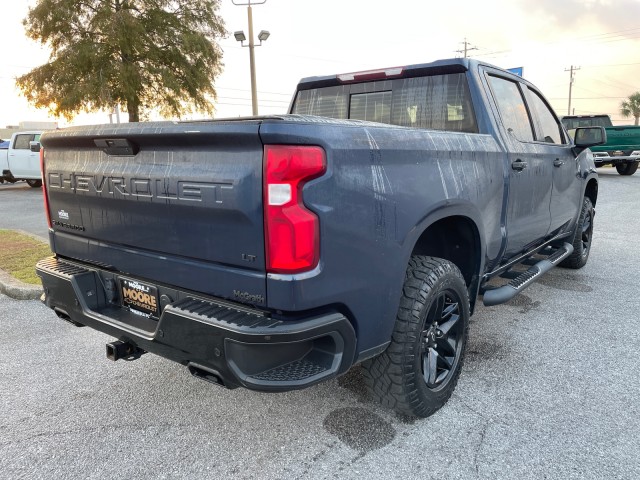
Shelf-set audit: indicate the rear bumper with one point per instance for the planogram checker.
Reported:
(223, 342)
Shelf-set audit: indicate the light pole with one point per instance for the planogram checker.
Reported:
(240, 37)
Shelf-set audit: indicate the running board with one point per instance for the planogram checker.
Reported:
(505, 293)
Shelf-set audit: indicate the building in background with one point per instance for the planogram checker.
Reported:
(5, 133)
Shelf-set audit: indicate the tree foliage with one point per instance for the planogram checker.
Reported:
(631, 107)
(142, 54)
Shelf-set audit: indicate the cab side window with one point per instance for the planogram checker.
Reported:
(550, 131)
(511, 106)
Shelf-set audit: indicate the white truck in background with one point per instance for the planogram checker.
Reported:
(21, 160)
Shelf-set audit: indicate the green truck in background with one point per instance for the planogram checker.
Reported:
(622, 149)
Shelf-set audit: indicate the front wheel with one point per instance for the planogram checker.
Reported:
(628, 168)
(419, 370)
(581, 238)
(34, 183)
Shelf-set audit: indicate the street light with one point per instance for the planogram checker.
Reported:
(240, 37)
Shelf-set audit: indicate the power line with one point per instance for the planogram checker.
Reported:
(247, 90)
(595, 38)
(586, 98)
(610, 65)
(244, 98)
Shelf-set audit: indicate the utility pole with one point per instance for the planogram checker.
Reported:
(572, 77)
(467, 48)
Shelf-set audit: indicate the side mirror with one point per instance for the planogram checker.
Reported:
(585, 137)
(34, 147)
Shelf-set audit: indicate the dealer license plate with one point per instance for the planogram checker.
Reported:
(140, 298)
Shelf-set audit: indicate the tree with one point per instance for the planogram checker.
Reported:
(142, 54)
(631, 107)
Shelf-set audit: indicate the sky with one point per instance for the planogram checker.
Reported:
(323, 37)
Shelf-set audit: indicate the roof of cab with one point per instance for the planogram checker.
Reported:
(451, 65)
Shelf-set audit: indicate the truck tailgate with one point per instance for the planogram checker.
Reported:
(179, 204)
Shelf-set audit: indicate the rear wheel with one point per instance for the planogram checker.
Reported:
(581, 238)
(418, 372)
(628, 168)
(34, 183)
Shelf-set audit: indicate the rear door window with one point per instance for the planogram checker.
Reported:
(512, 108)
(550, 130)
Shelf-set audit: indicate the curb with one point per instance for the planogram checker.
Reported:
(19, 290)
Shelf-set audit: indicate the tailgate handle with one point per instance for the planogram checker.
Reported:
(117, 146)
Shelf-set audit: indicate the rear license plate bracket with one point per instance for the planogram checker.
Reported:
(140, 298)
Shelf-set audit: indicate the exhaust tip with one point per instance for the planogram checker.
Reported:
(63, 315)
(206, 374)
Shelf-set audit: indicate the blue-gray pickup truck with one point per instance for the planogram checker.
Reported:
(276, 252)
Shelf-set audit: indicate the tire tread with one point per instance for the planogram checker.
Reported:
(391, 377)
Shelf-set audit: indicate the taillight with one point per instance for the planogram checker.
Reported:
(44, 188)
(292, 232)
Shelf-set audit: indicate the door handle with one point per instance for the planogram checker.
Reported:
(558, 163)
(519, 165)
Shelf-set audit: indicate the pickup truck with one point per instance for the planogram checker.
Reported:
(277, 252)
(21, 160)
(622, 149)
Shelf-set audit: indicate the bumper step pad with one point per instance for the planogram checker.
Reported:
(292, 372)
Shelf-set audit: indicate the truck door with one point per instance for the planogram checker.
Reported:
(555, 148)
(24, 163)
(530, 174)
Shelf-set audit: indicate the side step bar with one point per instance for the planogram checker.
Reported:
(505, 293)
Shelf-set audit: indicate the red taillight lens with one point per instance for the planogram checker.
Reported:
(44, 188)
(292, 232)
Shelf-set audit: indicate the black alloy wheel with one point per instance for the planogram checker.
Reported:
(419, 370)
(441, 342)
(582, 237)
(587, 232)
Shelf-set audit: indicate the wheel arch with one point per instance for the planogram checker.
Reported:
(454, 234)
(591, 190)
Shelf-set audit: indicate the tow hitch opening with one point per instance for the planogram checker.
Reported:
(123, 350)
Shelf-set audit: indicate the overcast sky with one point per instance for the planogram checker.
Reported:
(322, 37)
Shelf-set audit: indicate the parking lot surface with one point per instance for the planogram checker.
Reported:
(21, 208)
(549, 389)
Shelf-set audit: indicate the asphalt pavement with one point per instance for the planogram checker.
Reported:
(22, 208)
(549, 389)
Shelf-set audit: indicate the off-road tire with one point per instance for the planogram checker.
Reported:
(34, 183)
(628, 168)
(396, 378)
(582, 237)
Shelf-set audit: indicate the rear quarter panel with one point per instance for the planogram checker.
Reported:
(384, 186)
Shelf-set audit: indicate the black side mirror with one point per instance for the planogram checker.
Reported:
(34, 147)
(585, 137)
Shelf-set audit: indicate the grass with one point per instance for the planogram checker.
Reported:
(19, 254)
